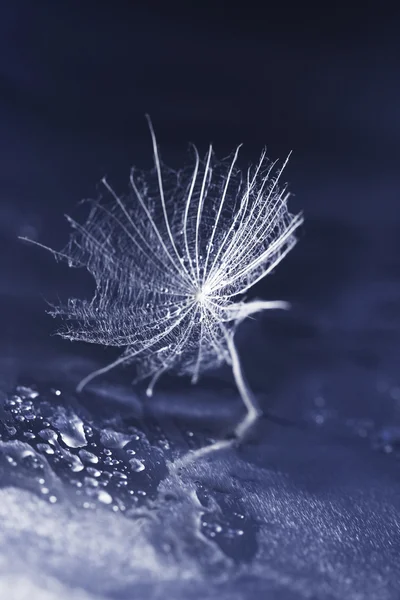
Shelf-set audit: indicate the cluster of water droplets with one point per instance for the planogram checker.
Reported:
(49, 446)
(100, 465)
(224, 521)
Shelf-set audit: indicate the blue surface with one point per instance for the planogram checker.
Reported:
(309, 506)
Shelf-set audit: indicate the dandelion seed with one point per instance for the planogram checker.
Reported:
(169, 260)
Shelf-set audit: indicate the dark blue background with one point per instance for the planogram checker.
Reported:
(75, 81)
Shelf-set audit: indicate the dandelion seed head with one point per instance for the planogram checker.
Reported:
(202, 294)
(173, 257)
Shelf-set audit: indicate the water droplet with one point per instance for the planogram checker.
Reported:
(93, 472)
(52, 499)
(88, 457)
(31, 461)
(232, 533)
(91, 482)
(119, 475)
(88, 430)
(27, 392)
(164, 444)
(49, 435)
(75, 463)
(114, 439)
(71, 430)
(136, 465)
(121, 483)
(11, 460)
(238, 515)
(45, 448)
(211, 529)
(110, 461)
(104, 497)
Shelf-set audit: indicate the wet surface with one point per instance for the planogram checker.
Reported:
(94, 501)
(307, 507)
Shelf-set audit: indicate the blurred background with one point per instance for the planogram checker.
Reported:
(76, 79)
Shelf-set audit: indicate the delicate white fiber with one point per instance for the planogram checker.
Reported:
(171, 260)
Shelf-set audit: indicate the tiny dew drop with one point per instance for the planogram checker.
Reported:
(88, 430)
(31, 461)
(104, 497)
(113, 439)
(238, 515)
(232, 533)
(93, 472)
(27, 392)
(119, 475)
(71, 430)
(45, 448)
(75, 464)
(48, 435)
(11, 460)
(91, 482)
(136, 465)
(88, 457)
